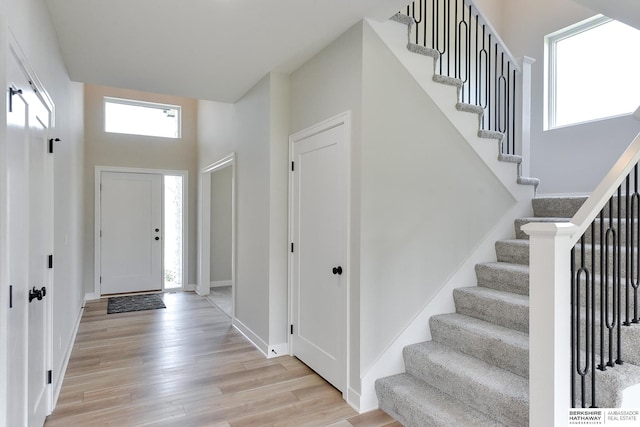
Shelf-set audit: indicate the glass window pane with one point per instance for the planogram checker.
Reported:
(595, 73)
(141, 118)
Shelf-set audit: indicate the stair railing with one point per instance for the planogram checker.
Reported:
(583, 281)
(470, 50)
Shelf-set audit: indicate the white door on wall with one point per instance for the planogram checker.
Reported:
(131, 232)
(30, 242)
(319, 232)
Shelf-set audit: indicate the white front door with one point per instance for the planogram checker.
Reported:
(131, 232)
(30, 238)
(319, 226)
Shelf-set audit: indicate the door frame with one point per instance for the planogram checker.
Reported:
(204, 219)
(332, 122)
(98, 219)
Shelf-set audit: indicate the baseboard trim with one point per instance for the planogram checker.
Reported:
(220, 283)
(278, 350)
(59, 377)
(353, 399)
(190, 287)
(91, 296)
(251, 336)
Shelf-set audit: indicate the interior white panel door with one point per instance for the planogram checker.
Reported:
(319, 293)
(17, 253)
(30, 242)
(40, 247)
(131, 233)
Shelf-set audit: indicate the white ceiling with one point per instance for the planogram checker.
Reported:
(206, 49)
(627, 11)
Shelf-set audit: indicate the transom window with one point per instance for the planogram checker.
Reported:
(141, 118)
(592, 72)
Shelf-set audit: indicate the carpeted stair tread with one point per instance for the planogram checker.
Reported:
(527, 180)
(422, 50)
(559, 207)
(502, 308)
(446, 80)
(503, 276)
(519, 222)
(490, 134)
(417, 404)
(487, 388)
(403, 19)
(610, 384)
(469, 108)
(630, 339)
(515, 251)
(493, 344)
(510, 158)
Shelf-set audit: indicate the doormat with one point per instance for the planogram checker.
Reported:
(134, 303)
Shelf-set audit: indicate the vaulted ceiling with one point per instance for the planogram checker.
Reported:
(206, 49)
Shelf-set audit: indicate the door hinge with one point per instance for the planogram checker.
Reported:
(49, 377)
(291, 329)
(50, 261)
(10, 296)
(291, 247)
(293, 166)
(51, 141)
(100, 279)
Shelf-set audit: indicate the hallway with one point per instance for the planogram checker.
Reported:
(186, 366)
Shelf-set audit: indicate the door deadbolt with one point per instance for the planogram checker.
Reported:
(337, 270)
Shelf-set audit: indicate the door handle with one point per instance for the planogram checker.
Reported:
(337, 270)
(37, 293)
(157, 238)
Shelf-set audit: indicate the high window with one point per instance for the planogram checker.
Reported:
(141, 118)
(592, 72)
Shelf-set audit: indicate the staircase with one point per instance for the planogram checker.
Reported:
(475, 370)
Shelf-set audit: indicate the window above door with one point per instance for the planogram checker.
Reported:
(141, 118)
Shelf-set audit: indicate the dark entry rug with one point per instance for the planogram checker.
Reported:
(134, 303)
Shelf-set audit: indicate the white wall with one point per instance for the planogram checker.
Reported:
(328, 84)
(30, 23)
(575, 158)
(428, 200)
(135, 151)
(256, 129)
(221, 224)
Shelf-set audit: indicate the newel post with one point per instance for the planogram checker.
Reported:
(549, 323)
(523, 113)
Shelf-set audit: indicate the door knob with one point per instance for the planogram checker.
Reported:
(157, 238)
(157, 229)
(337, 270)
(37, 293)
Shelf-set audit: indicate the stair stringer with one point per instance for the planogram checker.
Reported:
(421, 68)
(390, 361)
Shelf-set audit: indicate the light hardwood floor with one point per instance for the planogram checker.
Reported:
(186, 366)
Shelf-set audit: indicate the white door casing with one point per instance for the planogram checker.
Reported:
(130, 232)
(319, 267)
(30, 242)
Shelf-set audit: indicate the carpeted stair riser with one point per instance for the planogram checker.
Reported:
(609, 383)
(566, 207)
(417, 404)
(493, 344)
(559, 207)
(504, 277)
(519, 222)
(515, 251)
(501, 308)
(487, 388)
(609, 285)
(630, 339)
(609, 262)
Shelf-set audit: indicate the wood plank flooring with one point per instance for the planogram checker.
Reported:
(187, 366)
